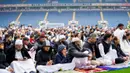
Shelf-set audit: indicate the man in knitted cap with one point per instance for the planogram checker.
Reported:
(61, 56)
(62, 40)
(90, 44)
(44, 55)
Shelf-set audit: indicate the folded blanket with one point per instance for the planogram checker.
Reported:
(115, 67)
(90, 71)
(68, 72)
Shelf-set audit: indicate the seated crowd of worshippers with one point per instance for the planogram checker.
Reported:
(24, 49)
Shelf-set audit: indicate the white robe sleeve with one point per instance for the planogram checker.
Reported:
(101, 50)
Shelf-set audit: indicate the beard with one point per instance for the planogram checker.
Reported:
(18, 49)
(78, 45)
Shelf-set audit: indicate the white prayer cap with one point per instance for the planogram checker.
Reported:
(61, 37)
(75, 39)
(47, 43)
(18, 42)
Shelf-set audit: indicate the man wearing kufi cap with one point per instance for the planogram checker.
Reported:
(75, 49)
(17, 52)
(19, 59)
(78, 55)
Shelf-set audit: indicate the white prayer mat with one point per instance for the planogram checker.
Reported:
(55, 68)
(23, 66)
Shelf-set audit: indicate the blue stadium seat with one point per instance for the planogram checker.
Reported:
(36, 1)
(128, 1)
(113, 1)
(57, 17)
(86, 17)
(116, 17)
(87, 1)
(7, 17)
(10, 2)
(65, 1)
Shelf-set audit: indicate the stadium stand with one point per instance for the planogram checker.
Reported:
(115, 17)
(10, 2)
(7, 17)
(56, 17)
(65, 1)
(31, 18)
(83, 17)
(87, 17)
(87, 1)
(113, 1)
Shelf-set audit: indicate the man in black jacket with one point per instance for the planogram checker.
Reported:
(26, 44)
(90, 44)
(122, 57)
(17, 53)
(7, 43)
(39, 43)
(44, 55)
(3, 63)
(75, 50)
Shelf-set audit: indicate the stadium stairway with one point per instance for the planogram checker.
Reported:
(128, 15)
(46, 16)
(101, 15)
(126, 1)
(74, 14)
(17, 19)
(128, 12)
